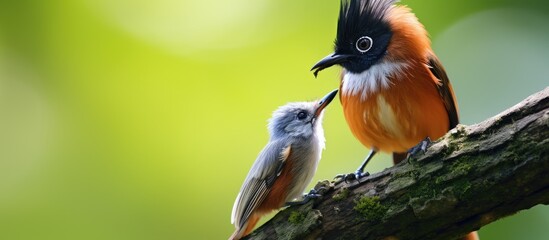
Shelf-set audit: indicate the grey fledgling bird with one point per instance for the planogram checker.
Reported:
(285, 166)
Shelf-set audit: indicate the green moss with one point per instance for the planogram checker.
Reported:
(458, 132)
(427, 189)
(407, 173)
(370, 208)
(461, 188)
(415, 174)
(517, 150)
(459, 168)
(452, 147)
(462, 167)
(401, 174)
(296, 217)
(342, 194)
(439, 180)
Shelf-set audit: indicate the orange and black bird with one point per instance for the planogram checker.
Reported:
(394, 90)
(395, 93)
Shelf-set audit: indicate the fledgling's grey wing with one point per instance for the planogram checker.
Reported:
(262, 175)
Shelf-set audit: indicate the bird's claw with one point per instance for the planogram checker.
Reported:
(421, 146)
(352, 176)
(313, 194)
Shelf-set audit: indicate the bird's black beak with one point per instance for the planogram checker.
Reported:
(329, 61)
(324, 102)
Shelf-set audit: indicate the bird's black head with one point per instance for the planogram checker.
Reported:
(363, 34)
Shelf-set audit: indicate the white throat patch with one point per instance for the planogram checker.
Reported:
(371, 80)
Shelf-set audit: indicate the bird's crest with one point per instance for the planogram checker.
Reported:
(355, 15)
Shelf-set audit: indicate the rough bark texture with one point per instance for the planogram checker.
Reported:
(472, 176)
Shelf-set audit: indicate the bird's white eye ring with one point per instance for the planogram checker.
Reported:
(364, 44)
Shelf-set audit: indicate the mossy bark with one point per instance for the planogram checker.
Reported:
(469, 178)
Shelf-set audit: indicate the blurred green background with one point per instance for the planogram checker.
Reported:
(140, 119)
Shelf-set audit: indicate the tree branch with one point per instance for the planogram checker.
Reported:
(471, 177)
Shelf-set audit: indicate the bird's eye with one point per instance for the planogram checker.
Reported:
(301, 115)
(364, 44)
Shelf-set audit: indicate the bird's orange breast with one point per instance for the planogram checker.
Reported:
(398, 117)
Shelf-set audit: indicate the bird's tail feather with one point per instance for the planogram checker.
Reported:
(246, 228)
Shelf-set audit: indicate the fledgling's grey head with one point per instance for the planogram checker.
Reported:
(299, 119)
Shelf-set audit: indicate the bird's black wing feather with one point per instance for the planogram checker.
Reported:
(445, 90)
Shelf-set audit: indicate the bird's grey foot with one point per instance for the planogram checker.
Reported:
(352, 176)
(313, 194)
(421, 146)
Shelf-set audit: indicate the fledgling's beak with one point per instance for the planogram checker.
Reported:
(329, 61)
(324, 102)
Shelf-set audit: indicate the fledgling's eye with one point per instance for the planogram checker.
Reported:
(364, 44)
(301, 115)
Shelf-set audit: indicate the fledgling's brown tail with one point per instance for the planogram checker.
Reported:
(246, 228)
